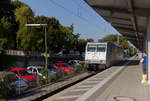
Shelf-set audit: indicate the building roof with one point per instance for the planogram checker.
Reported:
(129, 17)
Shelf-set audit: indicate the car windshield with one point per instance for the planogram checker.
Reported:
(25, 72)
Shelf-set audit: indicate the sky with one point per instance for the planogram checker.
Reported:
(86, 21)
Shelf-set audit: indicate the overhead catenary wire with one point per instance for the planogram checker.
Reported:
(91, 15)
(81, 7)
(67, 10)
(77, 15)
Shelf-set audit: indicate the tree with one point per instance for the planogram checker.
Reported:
(82, 44)
(70, 39)
(132, 50)
(58, 37)
(25, 35)
(54, 33)
(14, 34)
(113, 38)
(5, 8)
(7, 25)
(7, 33)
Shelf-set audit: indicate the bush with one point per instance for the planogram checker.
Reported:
(79, 68)
(50, 79)
(6, 89)
(41, 81)
(83, 69)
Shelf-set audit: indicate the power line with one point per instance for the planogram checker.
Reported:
(79, 4)
(69, 11)
(81, 7)
(57, 4)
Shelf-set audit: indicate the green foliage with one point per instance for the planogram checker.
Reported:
(3, 43)
(79, 67)
(4, 8)
(41, 81)
(83, 69)
(6, 89)
(81, 44)
(50, 79)
(14, 34)
(25, 35)
(132, 51)
(17, 4)
(113, 38)
(7, 36)
(8, 25)
(24, 15)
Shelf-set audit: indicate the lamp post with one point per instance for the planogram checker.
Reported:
(117, 38)
(46, 57)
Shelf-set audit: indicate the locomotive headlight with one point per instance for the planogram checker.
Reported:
(102, 61)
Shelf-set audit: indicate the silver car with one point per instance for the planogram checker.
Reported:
(19, 84)
(37, 69)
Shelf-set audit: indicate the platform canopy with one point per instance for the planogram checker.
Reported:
(129, 17)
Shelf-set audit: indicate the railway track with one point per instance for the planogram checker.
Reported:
(45, 91)
(87, 89)
(48, 90)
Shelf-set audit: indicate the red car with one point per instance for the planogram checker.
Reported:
(64, 67)
(24, 73)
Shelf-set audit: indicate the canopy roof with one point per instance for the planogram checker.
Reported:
(129, 17)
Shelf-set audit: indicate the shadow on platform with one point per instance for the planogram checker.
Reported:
(132, 63)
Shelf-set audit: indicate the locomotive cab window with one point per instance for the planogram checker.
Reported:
(91, 48)
(101, 48)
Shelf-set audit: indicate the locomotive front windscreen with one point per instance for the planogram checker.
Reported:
(101, 48)
(96, 48)
(91, 48)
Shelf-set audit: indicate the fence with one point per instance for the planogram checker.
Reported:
(24, 53)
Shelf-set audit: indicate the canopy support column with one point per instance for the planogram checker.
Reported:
(148, 50)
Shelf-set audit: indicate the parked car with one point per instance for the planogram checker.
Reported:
(52, 74)
(64, 67)
(58, 72)
(72, 62)
(25, 74)
(15, 81)
(36, 70)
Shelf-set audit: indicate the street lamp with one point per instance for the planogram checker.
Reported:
(46, 57)
(118, 38)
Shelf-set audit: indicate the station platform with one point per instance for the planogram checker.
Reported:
(118, 83)
(127, 86)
